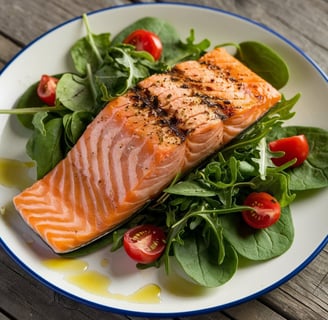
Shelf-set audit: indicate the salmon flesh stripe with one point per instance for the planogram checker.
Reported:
(139, 142)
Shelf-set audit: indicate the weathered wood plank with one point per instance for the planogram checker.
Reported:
(56, 12)
(252, 310)
(23, 297)
(7, 50)
(309, 289)
(296, 20)
(255, 311)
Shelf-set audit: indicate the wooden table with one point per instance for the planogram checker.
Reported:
(305, 23)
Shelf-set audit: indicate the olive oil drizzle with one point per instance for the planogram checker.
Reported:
(77, 272)
(15, 173)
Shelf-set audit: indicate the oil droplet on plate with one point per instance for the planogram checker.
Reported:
(104, 263)
(90, 281)
(96, 283)
(66, 265)
(15, 173)
(147, 294)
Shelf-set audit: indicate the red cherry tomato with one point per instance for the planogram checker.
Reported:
(294, 147)
(144, 40)
(47, 89)
(266, 211)
(144, 243)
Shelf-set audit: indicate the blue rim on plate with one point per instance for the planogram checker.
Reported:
(184, 313)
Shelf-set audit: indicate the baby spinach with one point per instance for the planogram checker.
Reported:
(28, 99)
(89, 50)
(313, 174)
(47, 158)
(199, 262)
(174, 49)
(277, 183)
(259, 245)
(264, 61)
(164, 30)
(74, 93)
(74, 124)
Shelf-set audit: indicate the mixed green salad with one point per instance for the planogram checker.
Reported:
(204, 220)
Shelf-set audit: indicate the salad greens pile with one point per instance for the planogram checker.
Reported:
(200, 212)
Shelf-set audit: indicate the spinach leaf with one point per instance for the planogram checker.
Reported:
(174, 49)
(74, 124)
(313, 173)
(45, 146)
(89, 50)
(277, 184)
(164, 30)
(199, 260)
(28, 98)
(74, 93)
(39, 120)
(264, 61)
(82, 52)
(260, 244)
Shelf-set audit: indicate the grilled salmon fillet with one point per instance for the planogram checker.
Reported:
(137, 144)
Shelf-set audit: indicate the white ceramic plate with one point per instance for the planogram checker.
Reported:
(48, 54)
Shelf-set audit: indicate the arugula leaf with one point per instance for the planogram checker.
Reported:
(271, 121)
(190, 188)
(188, 50)
(123, 68)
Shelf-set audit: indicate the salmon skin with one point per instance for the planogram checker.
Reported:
(139, 142)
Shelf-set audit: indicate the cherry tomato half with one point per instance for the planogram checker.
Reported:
(144, 243)
(294, 147)
(47, 89)
(266, 211)
(144, 40)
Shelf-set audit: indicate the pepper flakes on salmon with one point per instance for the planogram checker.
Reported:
(137, 144)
